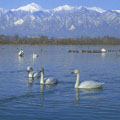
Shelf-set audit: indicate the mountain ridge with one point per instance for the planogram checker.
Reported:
(63, 21)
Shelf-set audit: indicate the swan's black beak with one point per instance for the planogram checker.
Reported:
(42, 70)
(72, 72)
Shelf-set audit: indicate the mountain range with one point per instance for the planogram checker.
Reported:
(63, 21)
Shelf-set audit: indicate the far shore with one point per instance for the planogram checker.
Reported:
(44, 40)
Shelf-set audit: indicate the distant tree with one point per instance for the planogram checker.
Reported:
(16, 37)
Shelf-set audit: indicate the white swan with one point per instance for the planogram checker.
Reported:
(47, 81)
(103, 50)
(35, 55)
(86, 84)
(21, 53)
(31, 73)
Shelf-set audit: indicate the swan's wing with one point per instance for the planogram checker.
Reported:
(36, 74)
(91, 84)
(50, 81)
(21, 53)
(30, 75)
(36, 55)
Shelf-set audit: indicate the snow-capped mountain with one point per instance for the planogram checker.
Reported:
(63, 21)
(33, 7)
(96, 9)
(71, 8)
(63, 8)
(116, 11)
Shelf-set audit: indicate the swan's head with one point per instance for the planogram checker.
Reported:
(29, 69)
(21, 50)
(75, 72)
(42, 70)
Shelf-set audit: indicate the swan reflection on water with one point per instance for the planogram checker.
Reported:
(20, 59)
(30, 82)
(87, 92)
(77, 94)
(43, 87)
(92, 90)
(103, 55)
(42, 91)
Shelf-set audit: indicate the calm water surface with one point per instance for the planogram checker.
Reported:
(22, 98)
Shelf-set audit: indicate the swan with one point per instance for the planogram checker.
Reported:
(47, 81)
(21, 53)
(31, 73)
(86, 84)
(35, 55)
(103, 50)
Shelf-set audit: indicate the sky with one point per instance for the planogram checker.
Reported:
(50, 4)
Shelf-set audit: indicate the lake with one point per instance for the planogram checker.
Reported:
(22, 98)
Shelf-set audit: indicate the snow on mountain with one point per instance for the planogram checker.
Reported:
(3, 10)
(116, 11)
(33, 7)
(70, 8)
(19, 22)
(32, 17)
(65, 8)
(72, 27)
(96, 9)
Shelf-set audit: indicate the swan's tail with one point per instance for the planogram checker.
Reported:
(100, 85)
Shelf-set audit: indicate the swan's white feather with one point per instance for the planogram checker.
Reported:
(36, 74)
(30, 75)
(51, 81)
(86, 84)
(90, 84)
(35, 55)
(21, 53)
(33, 74)
(47, 81)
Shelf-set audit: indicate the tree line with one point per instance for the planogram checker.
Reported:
(44, 40)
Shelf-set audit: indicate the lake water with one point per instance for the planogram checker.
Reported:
(23, 99)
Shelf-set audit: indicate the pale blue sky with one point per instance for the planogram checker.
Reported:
(49, 4)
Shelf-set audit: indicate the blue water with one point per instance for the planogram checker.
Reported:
(23, 99)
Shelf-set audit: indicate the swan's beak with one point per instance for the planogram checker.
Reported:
(72, 72)
(41, 70)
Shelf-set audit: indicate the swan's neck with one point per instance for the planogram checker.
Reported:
(42, 78)
(77, 80)
(30, 74)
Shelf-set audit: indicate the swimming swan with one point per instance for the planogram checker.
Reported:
(103, 50)
(35, 55)
(31, 73)
(21, 53)
(86, 84)
(47, 81)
